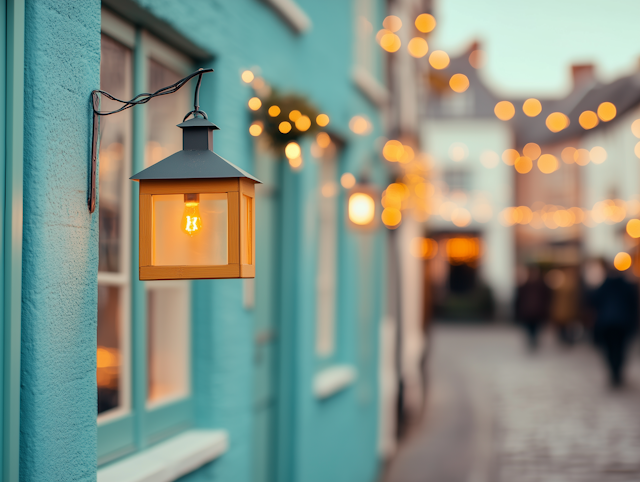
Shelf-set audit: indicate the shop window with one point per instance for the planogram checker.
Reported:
(144, 361)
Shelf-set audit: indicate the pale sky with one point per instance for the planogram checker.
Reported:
(530, 44)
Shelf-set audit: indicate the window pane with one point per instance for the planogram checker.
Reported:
(109, 348)
(327, 254)
(115, 78)
(168, 342)
(164, 113)
(178, 240)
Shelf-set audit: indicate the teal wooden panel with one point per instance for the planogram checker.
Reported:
(115, 439)
(168, 420)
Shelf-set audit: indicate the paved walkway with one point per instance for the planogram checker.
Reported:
(496, 413)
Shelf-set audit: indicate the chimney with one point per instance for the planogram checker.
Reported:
(582, 74)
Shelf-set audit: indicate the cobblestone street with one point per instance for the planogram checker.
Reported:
(496, 413)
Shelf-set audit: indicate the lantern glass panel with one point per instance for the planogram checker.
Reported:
(246, 213)
(178, 240)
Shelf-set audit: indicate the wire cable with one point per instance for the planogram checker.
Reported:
(137, 100)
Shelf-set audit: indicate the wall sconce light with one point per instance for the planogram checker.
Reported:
(361, 207)
(197, 210)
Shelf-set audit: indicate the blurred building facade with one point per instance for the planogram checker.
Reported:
(275, 379)
(537, 181)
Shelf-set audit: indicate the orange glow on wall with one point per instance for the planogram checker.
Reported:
(462, 250)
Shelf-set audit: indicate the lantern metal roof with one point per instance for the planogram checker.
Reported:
(196, 160)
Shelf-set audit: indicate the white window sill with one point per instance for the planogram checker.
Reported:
(332, 380)
(292, 13)
(168, 460)
(370, 87)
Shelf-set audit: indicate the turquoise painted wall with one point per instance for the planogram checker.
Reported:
(326, 440)
(60, 250)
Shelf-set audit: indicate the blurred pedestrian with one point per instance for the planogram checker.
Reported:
(616, 306)
(532, 304)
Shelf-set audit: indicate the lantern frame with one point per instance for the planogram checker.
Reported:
(241, 245)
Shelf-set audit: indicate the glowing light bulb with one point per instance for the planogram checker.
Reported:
(191, 219)
(362, 208)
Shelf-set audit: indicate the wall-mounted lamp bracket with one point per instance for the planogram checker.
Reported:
(137, 100)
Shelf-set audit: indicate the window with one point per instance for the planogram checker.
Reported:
(144, 335)
(326, 283)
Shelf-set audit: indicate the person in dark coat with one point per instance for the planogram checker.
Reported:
(616, 305)
(532, 304)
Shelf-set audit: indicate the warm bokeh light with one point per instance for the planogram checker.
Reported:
(588, 119)
(423, 248)
(292, 150)
(633, 228)
(303, 123)
(568, 155)
(504, 110)
(392, 23)
(296, 163)
(255, 129)
(635, 128)
(557, 121)
(489, 159)
(509, 156)
(439, 59)
(348, 180)
(391, 217)
(547, 163)
(461, 217)
(274, 111)
(323, 139)
(459, 83)
(390, 42)
(523, 164)
(294, 115)
(407, 154)
(359, 125)
(418, 47)
(458, 151)
(284, 127)
(531, 107)
(476, 59)
(255, 103)
(362, 208)
(598, 155)
(581, 157)
(636, 149)
(393, 150)
(532, 150)
(425, 22)
(622, 261)
(322, 120)
(606, 111)
(247, 76)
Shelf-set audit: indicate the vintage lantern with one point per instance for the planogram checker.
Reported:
(197, 213)
(361, 207)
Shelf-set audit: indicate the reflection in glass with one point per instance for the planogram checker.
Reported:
(115, 78)
(109, 377)
(173, 246)
(168, 342)
(163, 114)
